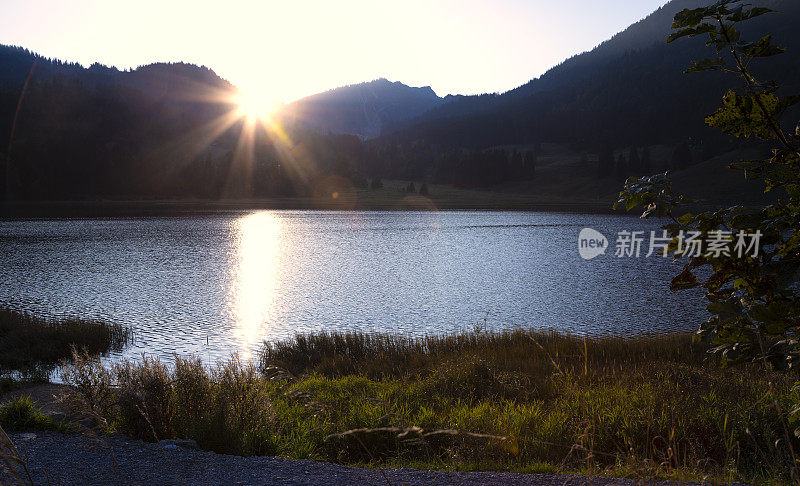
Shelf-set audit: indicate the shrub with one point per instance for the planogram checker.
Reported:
(21, 413)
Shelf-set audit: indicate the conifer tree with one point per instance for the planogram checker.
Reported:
(681, 157)
(634, 163)
(530, 164)
(646, 163)
(622, 167)
(605, 166)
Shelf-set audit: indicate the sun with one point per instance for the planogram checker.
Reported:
(256, 105)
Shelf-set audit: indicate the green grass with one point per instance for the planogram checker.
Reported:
(646, 407)
(33, 346)
(22, 414)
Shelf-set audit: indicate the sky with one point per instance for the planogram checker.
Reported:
(284, 50)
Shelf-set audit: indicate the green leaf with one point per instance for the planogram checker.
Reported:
(747, 221)
(681, 33)
(786, 102)
(741, 15)
(726, 309)
(689, 17)
(730, 33)
(684, 280)
(709, 64)
(686, 219)
(693, 31)
(743, 116)
(762, 48)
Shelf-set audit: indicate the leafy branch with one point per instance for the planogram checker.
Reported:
(754, 299)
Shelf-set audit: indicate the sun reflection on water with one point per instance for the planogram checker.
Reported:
(254, 294)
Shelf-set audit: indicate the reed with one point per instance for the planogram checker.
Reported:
(33, 346)
(533, 353)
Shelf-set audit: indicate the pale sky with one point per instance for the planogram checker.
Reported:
(289, 49)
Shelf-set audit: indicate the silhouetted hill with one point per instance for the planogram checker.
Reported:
(161, 81)
(361, 109)
(628, 90)
(159, 131)
(172, 131)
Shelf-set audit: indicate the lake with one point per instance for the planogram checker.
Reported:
(215, 284)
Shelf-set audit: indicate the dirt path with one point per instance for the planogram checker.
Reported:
(73, 459)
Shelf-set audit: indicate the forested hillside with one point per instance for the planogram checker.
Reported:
(363, 109)
(159, 131)
(631, 91)
(173, 130)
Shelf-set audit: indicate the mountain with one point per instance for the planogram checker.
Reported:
(173, 86)
(361, 109)
(172, 130)
(159, 131)
(629, 90)
(169, 82)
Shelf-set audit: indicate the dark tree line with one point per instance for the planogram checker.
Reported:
(101, 133)
(637, 162)
(630, 91)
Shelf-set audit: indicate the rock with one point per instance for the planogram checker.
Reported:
(369, 444)
(27, 436)
(175, 443)
(58, 416)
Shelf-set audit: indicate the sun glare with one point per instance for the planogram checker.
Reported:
(259, 257)
(257, 105)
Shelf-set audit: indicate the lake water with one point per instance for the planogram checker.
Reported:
(216, 284)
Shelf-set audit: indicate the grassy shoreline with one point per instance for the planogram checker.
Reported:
(392, 197)
(59, 209)
(519, 400)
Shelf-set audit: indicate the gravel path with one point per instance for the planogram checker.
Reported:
(74, 459)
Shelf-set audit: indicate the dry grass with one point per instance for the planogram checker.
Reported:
(17, 415)
(648, 407)
(15, 464)
(226, 409)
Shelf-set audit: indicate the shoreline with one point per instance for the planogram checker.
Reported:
(512, 402)
(108, 208)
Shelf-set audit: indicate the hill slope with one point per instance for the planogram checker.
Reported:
(159, 131)
(629, 90)
(361, 109)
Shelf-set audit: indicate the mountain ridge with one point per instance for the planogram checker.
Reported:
(362, 109)
(634, 59)
(156, 131)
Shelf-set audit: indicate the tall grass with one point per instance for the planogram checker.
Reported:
(652, 406)
(226, 409)
(33, 346)
(528, 352)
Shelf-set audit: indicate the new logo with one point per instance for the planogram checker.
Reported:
(591, 243)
